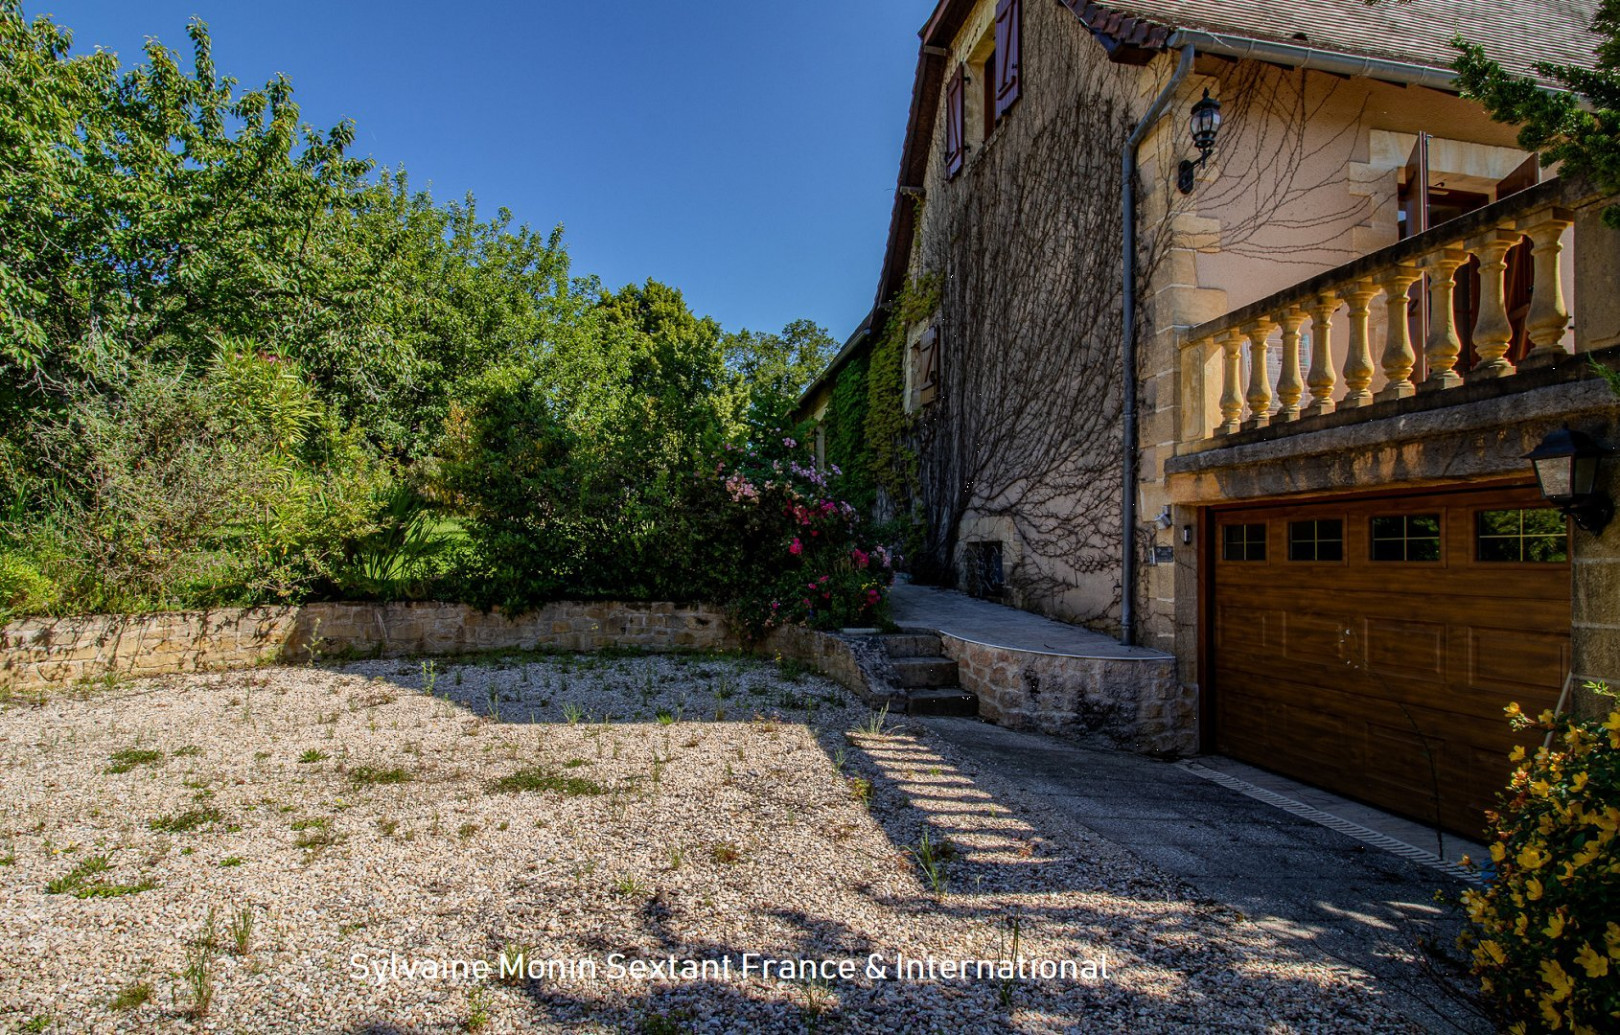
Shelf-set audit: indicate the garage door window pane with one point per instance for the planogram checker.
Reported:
(1535, 536)
(1406, 537)
(1320, 540)
(1244, 543)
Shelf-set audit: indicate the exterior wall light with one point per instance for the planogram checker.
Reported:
(1206, 123)
(1566, 464)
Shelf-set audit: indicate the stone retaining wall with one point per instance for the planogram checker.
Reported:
(1137, 703)
(36, 652)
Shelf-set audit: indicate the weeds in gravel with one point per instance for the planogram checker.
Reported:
(726, 854)
(861, 788)
(675, 857)
(573, 713)
(85, 881)
(185, 822)
(876, 723)
(430, 678)
(628, 886)
(386, 826)
(132, 996)
(932, 857)
(537, 778)
(371, 776)
(197, 979)
(8, 860)
(1008, 936)
(512, 967)
(231, 860)
(36, 1024)
(312, 756)
(477, 1009)
(240, 930)
(127, 759)
(664, 1024)
(189, 751)
(466, 830)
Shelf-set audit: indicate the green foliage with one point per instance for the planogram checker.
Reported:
(892, 460)
(1581, 127)
(795, 555)
(1543, 935)
(237, 365)
(846, 425)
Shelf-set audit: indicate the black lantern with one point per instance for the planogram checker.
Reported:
(1566, 464)
(1206, 123)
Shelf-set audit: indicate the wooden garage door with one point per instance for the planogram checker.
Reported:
(1369, 646)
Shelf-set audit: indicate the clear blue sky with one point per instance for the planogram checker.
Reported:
(742, 150)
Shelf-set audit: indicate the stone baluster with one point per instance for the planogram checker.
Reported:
(1399, 359)
(1289, 386)
(1492, 332)
(1321, 377)
(1444, 346)
(1231, 375)
(1549, 315)
(1257, 332)
(1358, 365)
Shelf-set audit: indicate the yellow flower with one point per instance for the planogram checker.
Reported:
(1596, 965)
(1533, 889)
(1554, 975)
(1513, 710)
(1493, 950)
(1554, 929)
(1521, 925)
(1612, 940)
(1532, 858)
(1579, 782)
(1517, 754)
(1498, 852)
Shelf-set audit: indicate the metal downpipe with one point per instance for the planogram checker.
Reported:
(1127, 607)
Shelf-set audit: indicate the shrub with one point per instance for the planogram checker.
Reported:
(797, 554)
(1543, 935)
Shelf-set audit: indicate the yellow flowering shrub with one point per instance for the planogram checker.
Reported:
(1544, 935)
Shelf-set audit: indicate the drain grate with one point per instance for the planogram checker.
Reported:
(1363, 834)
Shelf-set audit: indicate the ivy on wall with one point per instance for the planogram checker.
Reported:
(846, 433)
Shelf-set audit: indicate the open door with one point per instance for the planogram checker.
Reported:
(1423, 205)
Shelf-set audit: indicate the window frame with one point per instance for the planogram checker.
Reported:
(1406, 539)
(1317, 540)
(1521, 538)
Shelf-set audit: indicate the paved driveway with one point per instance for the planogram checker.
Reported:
(1330, 892)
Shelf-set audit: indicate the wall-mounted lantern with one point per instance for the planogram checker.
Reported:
(1566, 464)
(1206, 123)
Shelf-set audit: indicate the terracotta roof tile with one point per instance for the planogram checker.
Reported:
(1517, 33)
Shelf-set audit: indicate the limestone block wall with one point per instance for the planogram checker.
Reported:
(37, 652)
(1137, 703)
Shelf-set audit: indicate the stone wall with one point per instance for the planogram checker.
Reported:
(1137, 703)
(36, 652)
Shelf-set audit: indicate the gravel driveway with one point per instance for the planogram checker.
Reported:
(339, 849)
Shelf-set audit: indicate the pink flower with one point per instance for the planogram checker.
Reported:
(797, 548)
(860, 558)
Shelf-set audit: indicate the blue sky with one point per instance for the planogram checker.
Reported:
(742, 150)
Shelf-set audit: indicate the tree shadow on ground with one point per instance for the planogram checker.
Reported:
(996, 877)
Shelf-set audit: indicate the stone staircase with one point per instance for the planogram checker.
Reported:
(926, 678)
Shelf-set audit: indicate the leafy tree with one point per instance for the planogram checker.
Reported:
(1580, 127)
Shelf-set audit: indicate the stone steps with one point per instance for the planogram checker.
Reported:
(928, 679)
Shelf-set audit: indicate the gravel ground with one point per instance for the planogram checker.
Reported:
(694, 807)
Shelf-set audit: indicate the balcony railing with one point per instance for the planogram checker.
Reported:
(1345, 368)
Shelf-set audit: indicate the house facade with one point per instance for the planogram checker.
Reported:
(1282, 435)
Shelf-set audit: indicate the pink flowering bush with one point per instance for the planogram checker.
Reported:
(800, 556)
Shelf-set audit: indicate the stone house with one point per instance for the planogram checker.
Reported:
(1342, 328)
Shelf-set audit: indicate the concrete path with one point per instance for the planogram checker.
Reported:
(1308, 883)
(980, 621)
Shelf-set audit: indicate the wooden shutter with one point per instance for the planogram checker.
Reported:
(1009, 53)
(925, 367)
(956, 121)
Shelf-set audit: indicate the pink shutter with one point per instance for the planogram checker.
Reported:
(955, 121)
(1009, 52)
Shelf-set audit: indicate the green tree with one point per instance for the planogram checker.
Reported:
(1579, 126)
